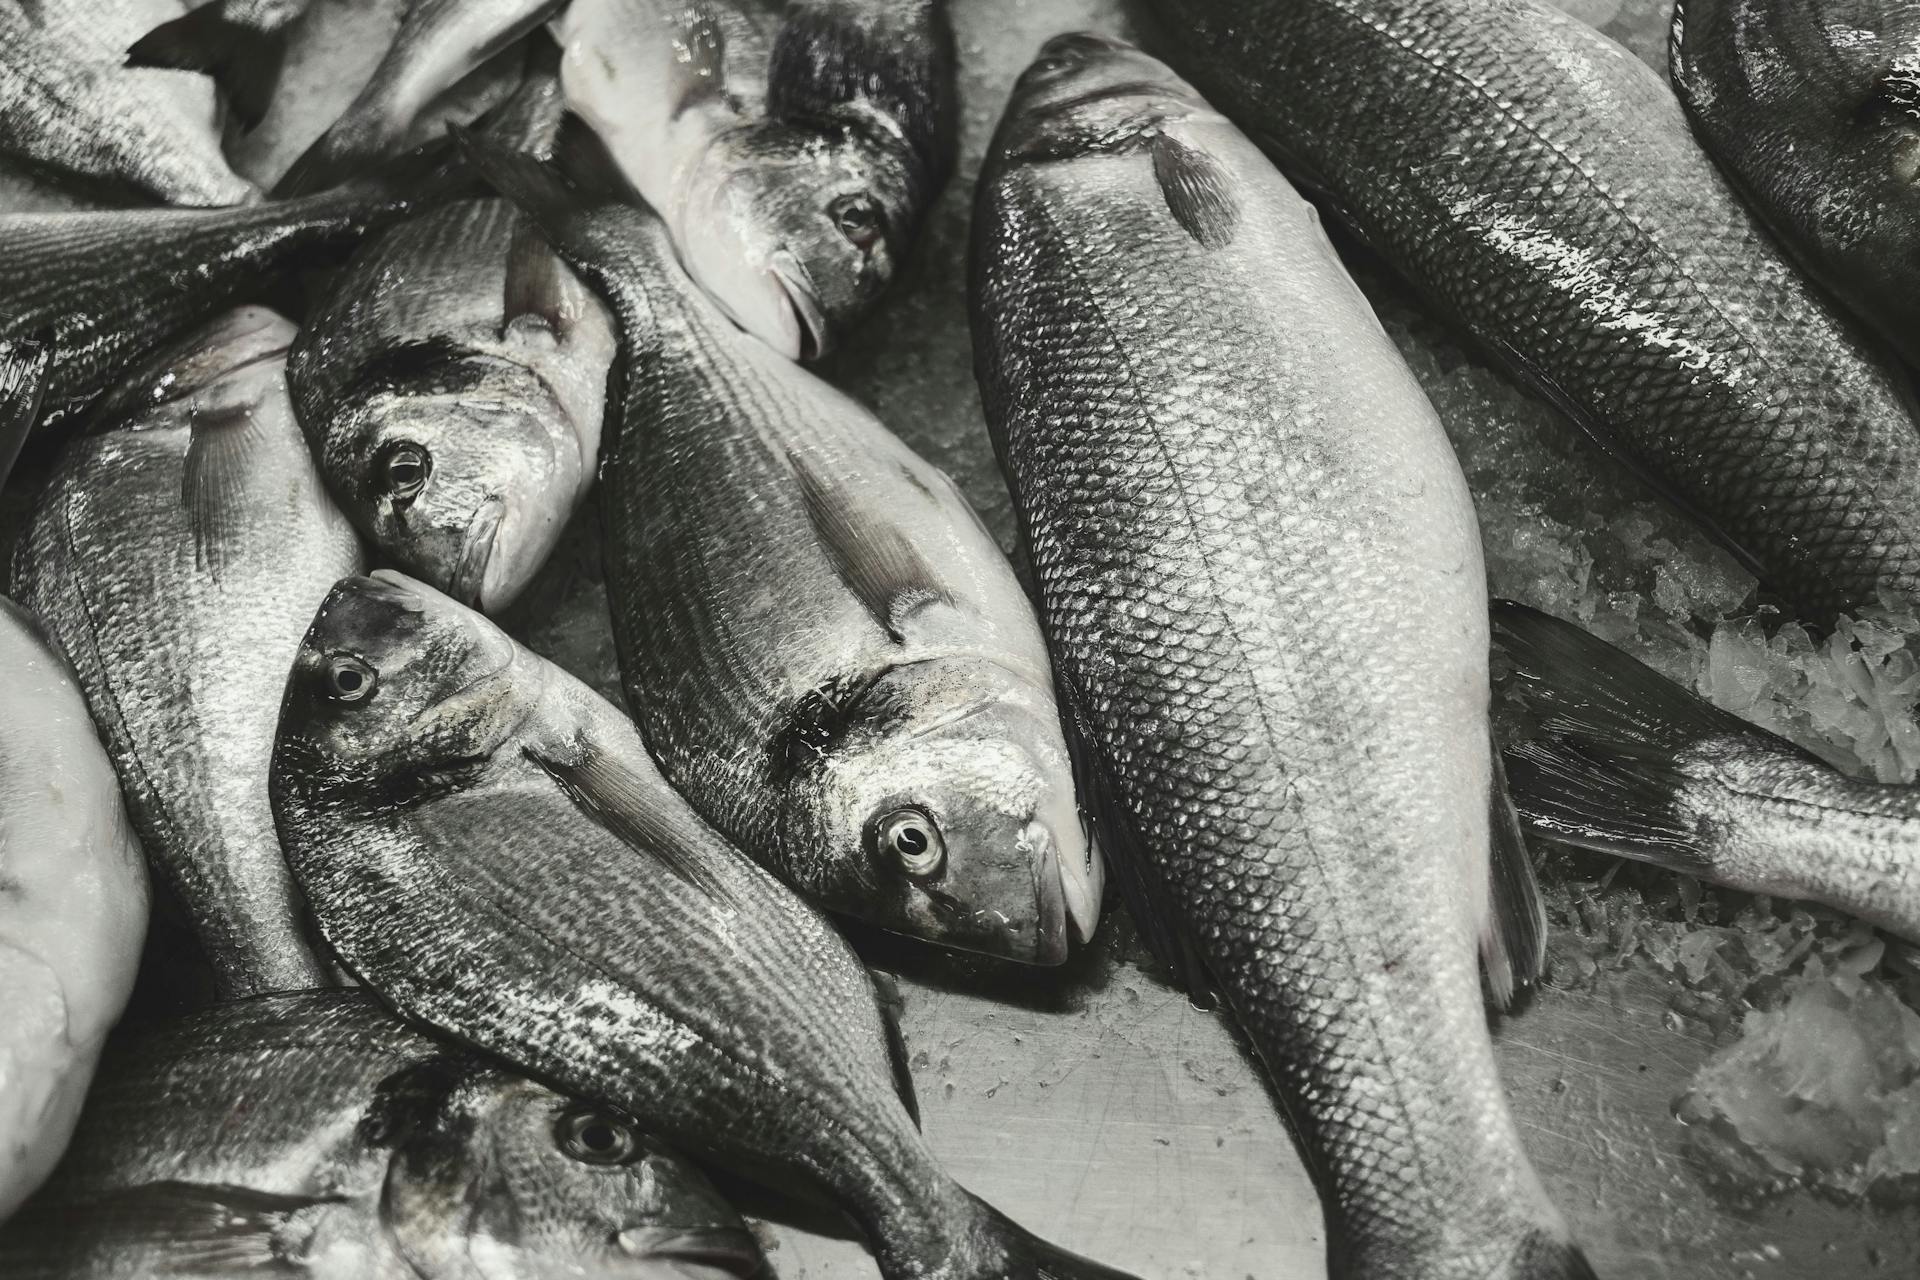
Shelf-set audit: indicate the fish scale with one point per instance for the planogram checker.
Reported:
(1540, 185)
(1230, 487)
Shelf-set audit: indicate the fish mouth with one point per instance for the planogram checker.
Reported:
(708, 1253)
(1079, 886)
(795, 289)
(1050, 943)
(476, 553)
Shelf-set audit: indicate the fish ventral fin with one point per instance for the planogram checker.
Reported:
(1197, 191)
(1604, 770)
(1513, 945)
(243, 60)
(24, 363)
(203, 1229)
(214, 481)
(607, 792)
(877, 562)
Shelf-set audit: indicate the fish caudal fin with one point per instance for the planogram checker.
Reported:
(1513, 946)
(1031, 1258)
(244, 61)
(1605, 770)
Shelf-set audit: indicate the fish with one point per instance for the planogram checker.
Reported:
(1540, 187)
(487, 844)
(73, 904)
(314, 1134)
(438, 44)
(1622, 760)
(242, 44)
(66, 110)
(793, 149)
(177, 557)
(1230, 486)
(1812, 109)
(104, 288)
(23, 381)
(825, 649)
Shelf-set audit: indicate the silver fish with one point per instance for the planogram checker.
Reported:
(314, 1135)
(68, 110)
(1813, 109)
(240, 43)
(792, 149)
(73, 905)
(177, 557)
(1623, 760)
(826, 651)
(487, 843)
(1231, 487)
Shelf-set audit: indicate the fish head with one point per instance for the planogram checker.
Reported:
(1086, 91)
(943, 797)
(795, 231)
(496, 1176)
(464, 474)
(394, 675)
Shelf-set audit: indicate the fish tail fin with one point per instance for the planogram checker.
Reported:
(1513, 945)
(1607, 769)
(245, 61)
(1028, 1257)
(1550, 1255)
(24, 363)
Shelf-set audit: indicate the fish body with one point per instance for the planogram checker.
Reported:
(792, 149)
(1812, 107)
(241, 43)
(73, 911)
(72, 109)
(1230, 487)
(1624, 761)
(313, 1134)
(488, 844)
(453, 385)
(177, 557)
(103, 289)
(823, 646)
(1540, 185)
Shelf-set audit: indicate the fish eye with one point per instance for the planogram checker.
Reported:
(404, 469)
(348, 678)
(594, 1137)
(912, 838)
(858, 218)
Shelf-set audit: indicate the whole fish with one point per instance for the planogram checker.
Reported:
(486, 842)
(825, 649)
(1231, 487)
(1627, 762)
(105, 288)
(242, 44)
(73, 905)
(315, 1135)
(438, 44)
(1539, 184)
(177, 557)
(65, 109)
(1813, 109)
(453, 385)
(793, 149)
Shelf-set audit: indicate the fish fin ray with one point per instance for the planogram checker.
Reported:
(891, 1003)
(205, 1228)
(24, 365)
(876, 561)
(1513, 942)
(537, 286)
(243, 60)
(213, 481)
(1197, 191)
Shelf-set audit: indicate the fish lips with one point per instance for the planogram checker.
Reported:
(469, 581)
(813, 336)
(707, 1253)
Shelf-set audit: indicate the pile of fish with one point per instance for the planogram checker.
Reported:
(488, 973)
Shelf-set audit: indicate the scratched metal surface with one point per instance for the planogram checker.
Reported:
(1095, 1104)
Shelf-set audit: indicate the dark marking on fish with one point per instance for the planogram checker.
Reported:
(1197, 190)
(440, 363)
(885, 572)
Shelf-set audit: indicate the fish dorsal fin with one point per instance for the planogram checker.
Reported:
(1513, 941)
(645, 816)
(892, 1004)
(24, 363)
(215, 482)
(539, 296)
(206, 1229)
(877, 561)
(1197, 191)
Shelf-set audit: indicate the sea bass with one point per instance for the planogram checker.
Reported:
(240, 43)
(825, 649)
(177, 557)
(1231, 487)
(315, 1135)
(793, 149)
(70, 108)
(487, 843)
(105, 288)
(73, 912)
(1623, 760)
(1813, 109)
(1539, 184)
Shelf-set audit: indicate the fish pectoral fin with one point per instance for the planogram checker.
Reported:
(616, 798)
(1513, 941)
(869, 553)
(24, 363)
(244, 60)
(214, 483)
(204, 1229)
(891, 1003)
(1197, 190)
(1603, 771)
(538, 288)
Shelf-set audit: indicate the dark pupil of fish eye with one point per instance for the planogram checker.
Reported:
(911, 841)
(404, 471)
(598, 1137)
(347, 680)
